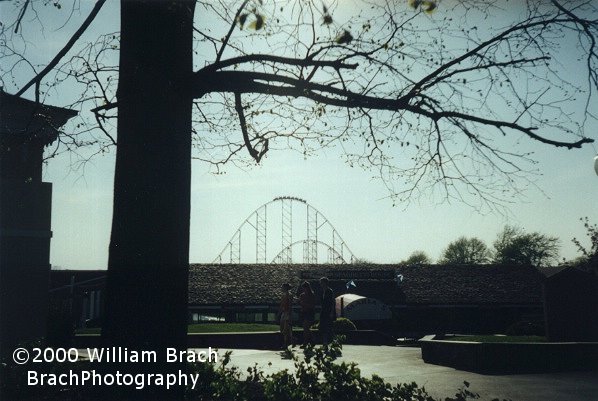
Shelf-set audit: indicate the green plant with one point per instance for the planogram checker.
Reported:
(417, 258)
(592, 234)
(514, 246)
(340, 326)
(343, 325)
(464, 251)
(589, 256)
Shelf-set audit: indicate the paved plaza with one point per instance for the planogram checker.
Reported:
(404, 364)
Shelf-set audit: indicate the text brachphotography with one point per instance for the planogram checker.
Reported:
(113, 355)
(94, 378)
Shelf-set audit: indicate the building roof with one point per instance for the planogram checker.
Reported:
(22, 117)
(549, 271)
(250, 284)
(422, 285)
(571, 272)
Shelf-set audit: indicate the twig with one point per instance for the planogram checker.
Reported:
(37, 79)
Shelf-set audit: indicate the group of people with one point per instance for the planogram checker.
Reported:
(307, 302)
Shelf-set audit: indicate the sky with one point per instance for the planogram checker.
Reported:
(351, 199)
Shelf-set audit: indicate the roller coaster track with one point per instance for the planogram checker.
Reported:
(316, 225)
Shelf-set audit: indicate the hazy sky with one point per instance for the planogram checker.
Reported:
(355, 203)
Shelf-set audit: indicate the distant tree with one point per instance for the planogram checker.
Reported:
(592, 233)
(589, 256)
(516, 247)
(466, 251)
(417, 258)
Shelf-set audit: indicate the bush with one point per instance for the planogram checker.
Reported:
(340, 326)
(343, 325)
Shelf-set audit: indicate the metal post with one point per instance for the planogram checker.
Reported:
(260, 235)
(310, 253)
(235, 248)
(287, 231)
(337, 246)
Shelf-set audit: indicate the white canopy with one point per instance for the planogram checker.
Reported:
(356, 307)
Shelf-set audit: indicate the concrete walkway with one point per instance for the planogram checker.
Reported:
(399, 364)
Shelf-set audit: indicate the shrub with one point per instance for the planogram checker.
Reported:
(340, 326)
(343, 325)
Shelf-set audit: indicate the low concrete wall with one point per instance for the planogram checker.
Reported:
(252, 340)
(509, 357)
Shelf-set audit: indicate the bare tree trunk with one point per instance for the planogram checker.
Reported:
(146, 300)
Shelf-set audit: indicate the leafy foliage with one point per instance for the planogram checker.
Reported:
(592, 234)
(343, 325)
(516, 247)
(417, 258)
(427, 6)
(339, 326)
(589, 255)
(466, 251)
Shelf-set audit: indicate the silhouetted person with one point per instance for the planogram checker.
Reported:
(327, 314)
(284, 311)
(307, 300)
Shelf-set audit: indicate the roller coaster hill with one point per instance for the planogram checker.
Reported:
(288, 223)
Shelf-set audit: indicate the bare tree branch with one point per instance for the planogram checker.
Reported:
(21, 15)
(431, 104)
(257, 156)
(231, 29)
(264, 58)
(240, 81)
(37, 79)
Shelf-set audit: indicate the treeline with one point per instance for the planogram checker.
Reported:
(513, 246)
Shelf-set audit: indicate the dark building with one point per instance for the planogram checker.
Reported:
(26, 127)
(80, 294)
(423, 299)
(571, 305)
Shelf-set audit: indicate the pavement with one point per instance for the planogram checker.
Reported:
(404, 365)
